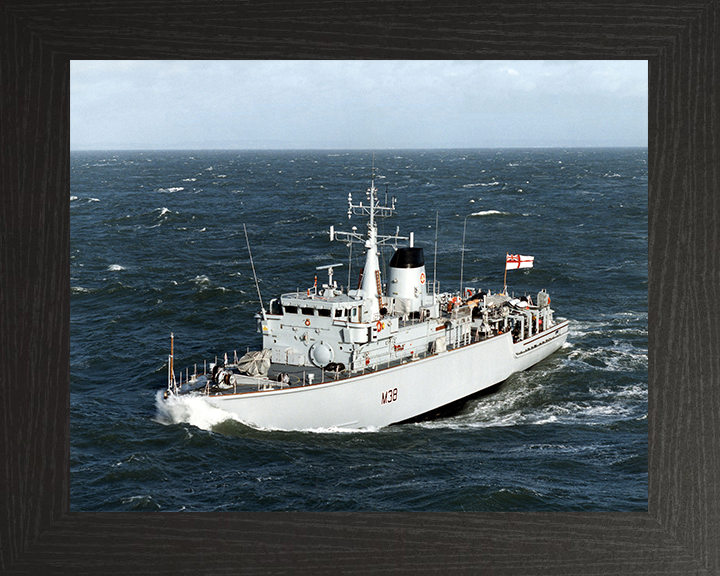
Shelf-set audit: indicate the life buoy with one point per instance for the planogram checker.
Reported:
(307, 322)
(367, 360)
(422, 277)
(378, 326)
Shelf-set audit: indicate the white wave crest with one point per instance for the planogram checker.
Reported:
(628, 392)
(194, 410)
(618, 357)
(487, 213)
(142, 502)
(115, 268)
(482, 184)
(174, 189)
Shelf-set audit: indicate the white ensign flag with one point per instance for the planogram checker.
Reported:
(515, 261)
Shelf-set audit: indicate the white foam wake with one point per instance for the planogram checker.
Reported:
(194, 410)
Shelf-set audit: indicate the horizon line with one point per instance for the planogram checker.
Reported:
(232, 149)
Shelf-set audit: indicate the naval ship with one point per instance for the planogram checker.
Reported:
(387, 352)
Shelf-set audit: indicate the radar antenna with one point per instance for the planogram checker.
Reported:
(373, 210)
(370, 282)
(329, 268)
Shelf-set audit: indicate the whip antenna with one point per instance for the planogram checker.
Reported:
(462, 256)
(435, 259)
(262, 308)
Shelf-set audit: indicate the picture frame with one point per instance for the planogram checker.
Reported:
(678, 534)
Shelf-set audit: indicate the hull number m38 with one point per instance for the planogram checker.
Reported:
(389, 396)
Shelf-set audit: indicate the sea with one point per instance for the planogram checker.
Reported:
(158, 246)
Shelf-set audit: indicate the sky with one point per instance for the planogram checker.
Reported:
(356, 104)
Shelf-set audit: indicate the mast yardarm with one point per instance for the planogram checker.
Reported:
(371, 269)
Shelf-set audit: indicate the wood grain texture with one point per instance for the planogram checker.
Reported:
(681, 532)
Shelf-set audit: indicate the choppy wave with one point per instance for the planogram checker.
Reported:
(144, 502)
(526, 406)
(176, 251)
(612, 359)
(482, 184)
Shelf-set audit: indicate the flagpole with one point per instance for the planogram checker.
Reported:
(505, 277)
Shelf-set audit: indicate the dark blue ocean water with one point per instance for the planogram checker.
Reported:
(157, 246)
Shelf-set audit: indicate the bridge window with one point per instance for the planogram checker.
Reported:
(323, 312)
(291, 309)
(308, 311)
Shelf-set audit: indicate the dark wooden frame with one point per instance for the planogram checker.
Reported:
(681, 531)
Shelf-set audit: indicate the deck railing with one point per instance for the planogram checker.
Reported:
(457, 338)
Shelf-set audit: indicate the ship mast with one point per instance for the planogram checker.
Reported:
(371, 283)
